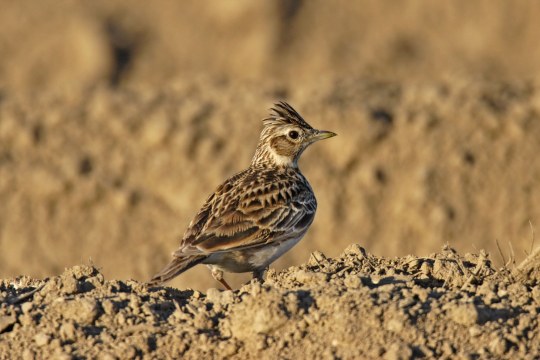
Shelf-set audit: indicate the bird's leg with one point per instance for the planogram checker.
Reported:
(259, 274)
(218, 275)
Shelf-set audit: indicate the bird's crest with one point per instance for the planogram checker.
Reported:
(283, 114)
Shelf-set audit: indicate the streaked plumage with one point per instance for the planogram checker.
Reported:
(258, 214)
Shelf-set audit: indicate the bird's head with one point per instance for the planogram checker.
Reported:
(285, 136)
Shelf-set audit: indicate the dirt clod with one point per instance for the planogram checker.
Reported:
(346, 307)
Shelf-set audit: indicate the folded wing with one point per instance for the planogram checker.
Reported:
(233, 220)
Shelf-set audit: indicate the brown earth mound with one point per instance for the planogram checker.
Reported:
(353, 306)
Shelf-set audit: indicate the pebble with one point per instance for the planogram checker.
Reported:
(465, 314)
(398, 351)
(356, 250)
(498, 345)
(6, 321)
(475, 331)
(26, 307)
(213, 295)
(227, 297)
(394, 325)
(28, 354)
(426, 268)
(108, 356)
(227, 349)
(109, 307)
(70, 285)
(41, 339)
(414, 264)
(421, 293)
(68, 331)
(83, 311)
(353, 282)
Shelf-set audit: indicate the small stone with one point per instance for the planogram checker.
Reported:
(407, 302)
(213, 295)
(62, 356)
(265, 321)
(42, 339)
(227, 349)
(6, 321)
(356, 250)
(262, 320)
(83, 311)
(394, 325)
(426, 268)
(535, 293)
(475, 331)
(498, 346)
(109, 307)
(68, 331)
(26, 319)
(28, 354)
(26, 307)
(91, 283)
(70, 285)
(465, 314)
(352, 282)
(256, 288)
(414, 264)
(421, 293)
(82, 271)
(261, 343)
(447, 349)
(50, 287)
(135, 304)
(108, 356)
(227, 297)
(121, 319)
(398, 351)
(437, 266)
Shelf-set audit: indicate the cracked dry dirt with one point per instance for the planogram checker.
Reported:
(353, 306)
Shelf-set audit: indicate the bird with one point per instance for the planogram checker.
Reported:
(258, 214)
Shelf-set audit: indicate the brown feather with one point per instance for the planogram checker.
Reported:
(177, 266)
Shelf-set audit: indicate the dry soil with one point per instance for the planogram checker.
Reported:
(356, 305)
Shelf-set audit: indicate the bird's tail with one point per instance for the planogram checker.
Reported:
(177, 266)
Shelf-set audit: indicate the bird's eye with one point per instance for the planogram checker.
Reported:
(293, 134)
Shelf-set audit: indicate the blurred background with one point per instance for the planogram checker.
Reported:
(118, 119)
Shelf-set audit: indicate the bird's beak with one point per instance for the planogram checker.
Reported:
(323, 134)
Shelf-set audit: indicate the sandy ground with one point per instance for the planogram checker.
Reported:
(118, 118)
(116, 175)
(353, 306)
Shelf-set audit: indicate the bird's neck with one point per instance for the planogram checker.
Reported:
(268, 157)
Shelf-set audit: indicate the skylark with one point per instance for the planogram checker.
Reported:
(257, 215)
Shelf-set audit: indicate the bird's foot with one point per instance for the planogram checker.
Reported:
(258, 276)
(218, 275)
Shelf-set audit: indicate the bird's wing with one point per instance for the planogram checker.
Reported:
(247, 213)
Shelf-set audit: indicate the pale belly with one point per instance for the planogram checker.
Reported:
(250, 259)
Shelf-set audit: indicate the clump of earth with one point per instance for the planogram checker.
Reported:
(355, 305)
